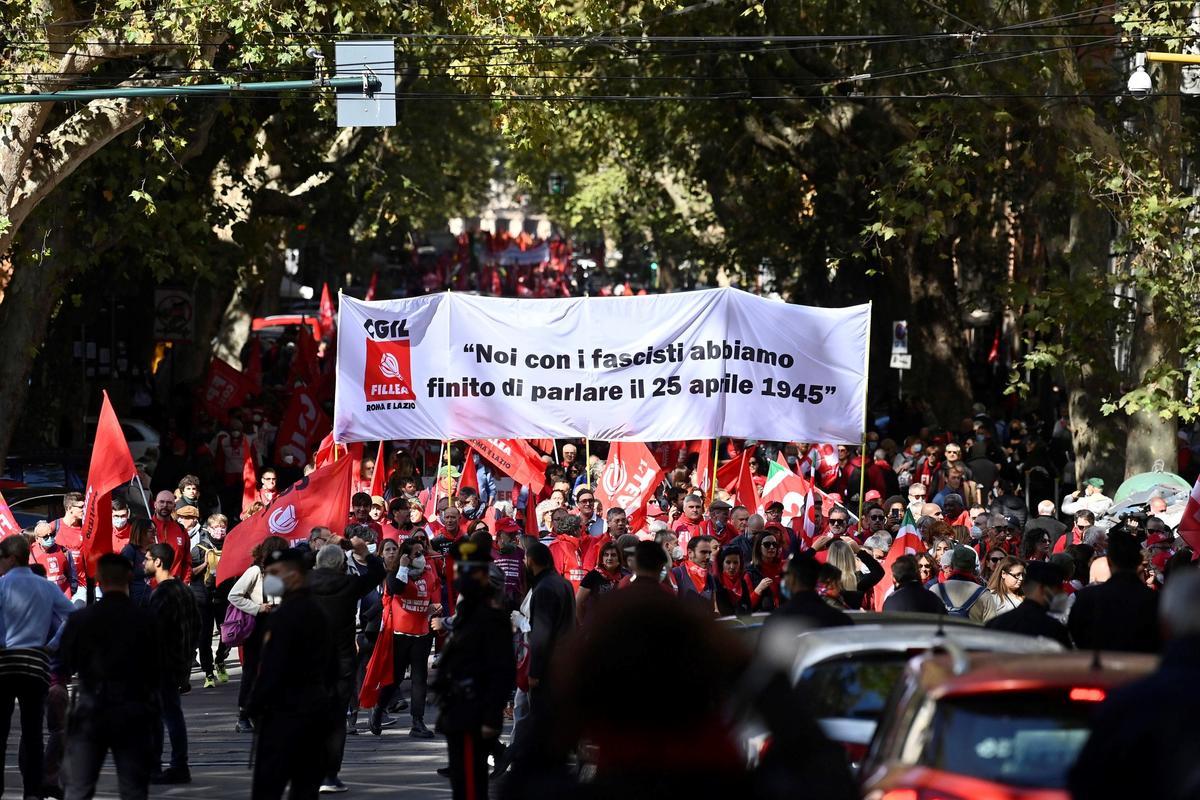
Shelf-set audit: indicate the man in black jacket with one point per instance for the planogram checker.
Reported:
(113, 646)
(294, 700)
(1043, 581)
(476, 672)
(551, 618)
(910, 594)
(1122, 612)
(804, 606)
(338, 593)
(1144, 740)
(178, 618)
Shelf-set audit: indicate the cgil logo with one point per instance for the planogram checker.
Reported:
(386, 329)
(282, 520)
(389, 366)
(614, 477)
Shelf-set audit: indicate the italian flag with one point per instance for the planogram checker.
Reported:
(907, 543)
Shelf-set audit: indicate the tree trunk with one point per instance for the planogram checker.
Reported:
(1150, 444)
(1097, 438)
(35, 289)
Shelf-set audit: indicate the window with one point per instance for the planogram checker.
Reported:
(1027, 739)
(855, 686)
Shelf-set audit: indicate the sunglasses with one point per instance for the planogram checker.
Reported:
(996, 559)
(838, 522)
(876, 517)
(1016, 576)
(771, 545)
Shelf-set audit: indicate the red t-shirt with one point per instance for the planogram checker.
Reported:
(567, 560)
(168, 531)
(55, 564)
(70, 538)
(411, 608)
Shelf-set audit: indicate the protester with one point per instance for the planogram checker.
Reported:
(1153, 719)
(170, 532)
(1090, 498)
(1005, 584)
(1121, 613)
(205, 556)
(551, 621)
(766, 569)
(928, 570)
(477, 670)
(294, 700)
(248, 596)
(32, 610)
(178, 619)
(47, 553)
(113, 647)
(409, 599)
(68, 529)
(962, 592)
(909, 593)
(852, 562)
(694, 576)
(606, 577)
(733, 594)
(1043, 581)
(803, 605)
(141, 538)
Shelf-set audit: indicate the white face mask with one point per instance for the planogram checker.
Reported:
(676, 553)
(371, 547)
(273, 586)
(120, 522)
(417, 565)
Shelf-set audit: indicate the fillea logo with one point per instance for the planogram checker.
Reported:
(614, 477)
(389, 366)
(283, 520)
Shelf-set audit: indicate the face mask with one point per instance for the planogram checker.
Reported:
(120, 522)
(916, 448)
(47, 543)
(676, 553)
(371, 548)
(417, 565)
(273, 586)
(216, 533)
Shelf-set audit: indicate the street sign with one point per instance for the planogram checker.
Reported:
(899, 337)
(901, 361)
(371, 60)
(174, 315)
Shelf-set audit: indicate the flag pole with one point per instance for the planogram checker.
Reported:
(712, 478)
(862, 456)
(142, 492)
(587, 461)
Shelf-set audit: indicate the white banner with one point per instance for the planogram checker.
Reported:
(694, 365)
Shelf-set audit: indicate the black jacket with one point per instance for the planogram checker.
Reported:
(298, 667)
(1143, 741)
(114, 647)
(178, 616)
(1031, 619)
(866, 583)
(337, 594)
(1048, 524)
(551, 619)
(477, 670)
(912, 596)
(1119, 614)
(809, 608)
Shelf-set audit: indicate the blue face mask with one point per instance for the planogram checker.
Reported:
(371, 547)
(916, 448)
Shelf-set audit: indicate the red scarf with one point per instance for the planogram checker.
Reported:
(1075, 537)
(736, 586)
(771, 570)
(697, 573)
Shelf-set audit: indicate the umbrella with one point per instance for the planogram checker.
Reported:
(1166, 483)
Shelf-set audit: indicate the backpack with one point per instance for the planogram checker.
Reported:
(965, 609)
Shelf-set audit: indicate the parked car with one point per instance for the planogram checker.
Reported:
(850, 672)
(140, 437)
(990, 727)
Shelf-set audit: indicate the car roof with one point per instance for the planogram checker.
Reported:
(992, 672)
(819, 645)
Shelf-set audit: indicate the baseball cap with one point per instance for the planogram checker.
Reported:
(1097, 482)
(376, 500)
(872, 494)
(1013, 522)
(469, 555)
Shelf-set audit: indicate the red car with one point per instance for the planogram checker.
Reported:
(990, 727)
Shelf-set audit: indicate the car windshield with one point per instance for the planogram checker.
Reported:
(1026, 739)
(854, 686)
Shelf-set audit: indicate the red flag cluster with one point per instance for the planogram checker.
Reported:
(629, 480)
(110, 468)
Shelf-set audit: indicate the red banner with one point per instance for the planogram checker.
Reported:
(249, 477)
(322, 498)
(110, 467)
(516, 459)
(306, 365)
(302, 424)
(8, 523)
(224, 388)
(378, 482)
(469, 478)
(629, 480)
(1189, 524)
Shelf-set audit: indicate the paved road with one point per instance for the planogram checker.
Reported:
(392, 764)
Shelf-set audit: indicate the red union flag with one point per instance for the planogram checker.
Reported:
(8, 523)
(224, 389)
(302, 423)
(325, 319)
(111, 466)
(388, 375)
(322, 498)
(1189, 525)
(515, 458)
(629, 480)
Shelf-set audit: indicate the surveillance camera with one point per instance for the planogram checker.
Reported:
(313, 53)
(1139, 83)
